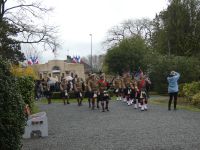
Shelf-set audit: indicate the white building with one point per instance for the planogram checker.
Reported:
(59, 68)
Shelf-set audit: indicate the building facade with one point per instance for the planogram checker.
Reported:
(59, 69)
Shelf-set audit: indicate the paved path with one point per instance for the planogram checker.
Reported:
(123, 128)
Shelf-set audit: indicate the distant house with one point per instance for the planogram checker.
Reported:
(87, 67)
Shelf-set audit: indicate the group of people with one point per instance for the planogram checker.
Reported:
(134, 90)
(94, 88)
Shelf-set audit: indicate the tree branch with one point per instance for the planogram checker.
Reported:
(28, 5)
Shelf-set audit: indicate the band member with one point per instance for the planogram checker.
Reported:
(64, 91)
(127, 91)
(78, 89)
(135, 94)
(132, 92)
(49, 90)
(103, 93)
(143, 95)
(87, 94)
(148, 84)
(118, 86)
(92, 87)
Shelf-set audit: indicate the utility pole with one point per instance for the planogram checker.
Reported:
(91, 53)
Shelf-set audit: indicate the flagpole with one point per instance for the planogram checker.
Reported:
(91, 51)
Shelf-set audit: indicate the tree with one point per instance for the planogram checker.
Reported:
(10, 47)
(127, 56)
(177, 29)
(23, 24)
(129, 28)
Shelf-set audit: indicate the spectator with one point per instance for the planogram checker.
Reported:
(173, 88)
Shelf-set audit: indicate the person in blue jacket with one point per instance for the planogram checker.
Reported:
(173, 88)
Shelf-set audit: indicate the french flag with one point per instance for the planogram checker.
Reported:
(30, 62)
(74, 60)
(36, 61)
(139, 74)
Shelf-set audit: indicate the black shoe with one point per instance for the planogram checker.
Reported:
(107, 109)
(68, 103)
(103, 110)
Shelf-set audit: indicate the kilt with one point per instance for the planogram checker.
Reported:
(104, 96)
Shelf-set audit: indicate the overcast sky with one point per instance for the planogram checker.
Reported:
(79, 18)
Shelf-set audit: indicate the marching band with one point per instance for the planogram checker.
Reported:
(131, 89)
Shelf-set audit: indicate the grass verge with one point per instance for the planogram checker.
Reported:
(35, 108)
(182, 104)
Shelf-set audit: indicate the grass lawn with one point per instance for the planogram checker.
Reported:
(35, 108)
(181, 103)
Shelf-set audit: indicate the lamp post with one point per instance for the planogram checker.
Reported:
(91, 51)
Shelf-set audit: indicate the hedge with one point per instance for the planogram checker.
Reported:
(191, 91)
(12, 117)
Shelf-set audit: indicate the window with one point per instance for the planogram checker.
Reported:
(56, 68)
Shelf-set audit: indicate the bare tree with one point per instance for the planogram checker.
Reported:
(28, 18)
(139, 27)
(97, 61)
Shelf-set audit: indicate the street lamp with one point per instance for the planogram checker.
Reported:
(91, 51)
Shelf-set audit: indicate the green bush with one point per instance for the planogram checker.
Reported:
(26, 87)
(196, 99)
(181, 93)
(12, 117)
(190, 89)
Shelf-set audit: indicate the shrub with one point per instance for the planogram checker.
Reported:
(12, 117)
(181, 93)
(190, 89)
(196, 99)
(20, 71)
(26, 88)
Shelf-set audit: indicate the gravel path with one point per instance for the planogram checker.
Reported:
(123, 128)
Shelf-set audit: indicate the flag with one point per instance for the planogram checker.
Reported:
(79, 59)
(33, 60)
(74, 59)
(138, 74)
(36, 61)
(30, 62)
